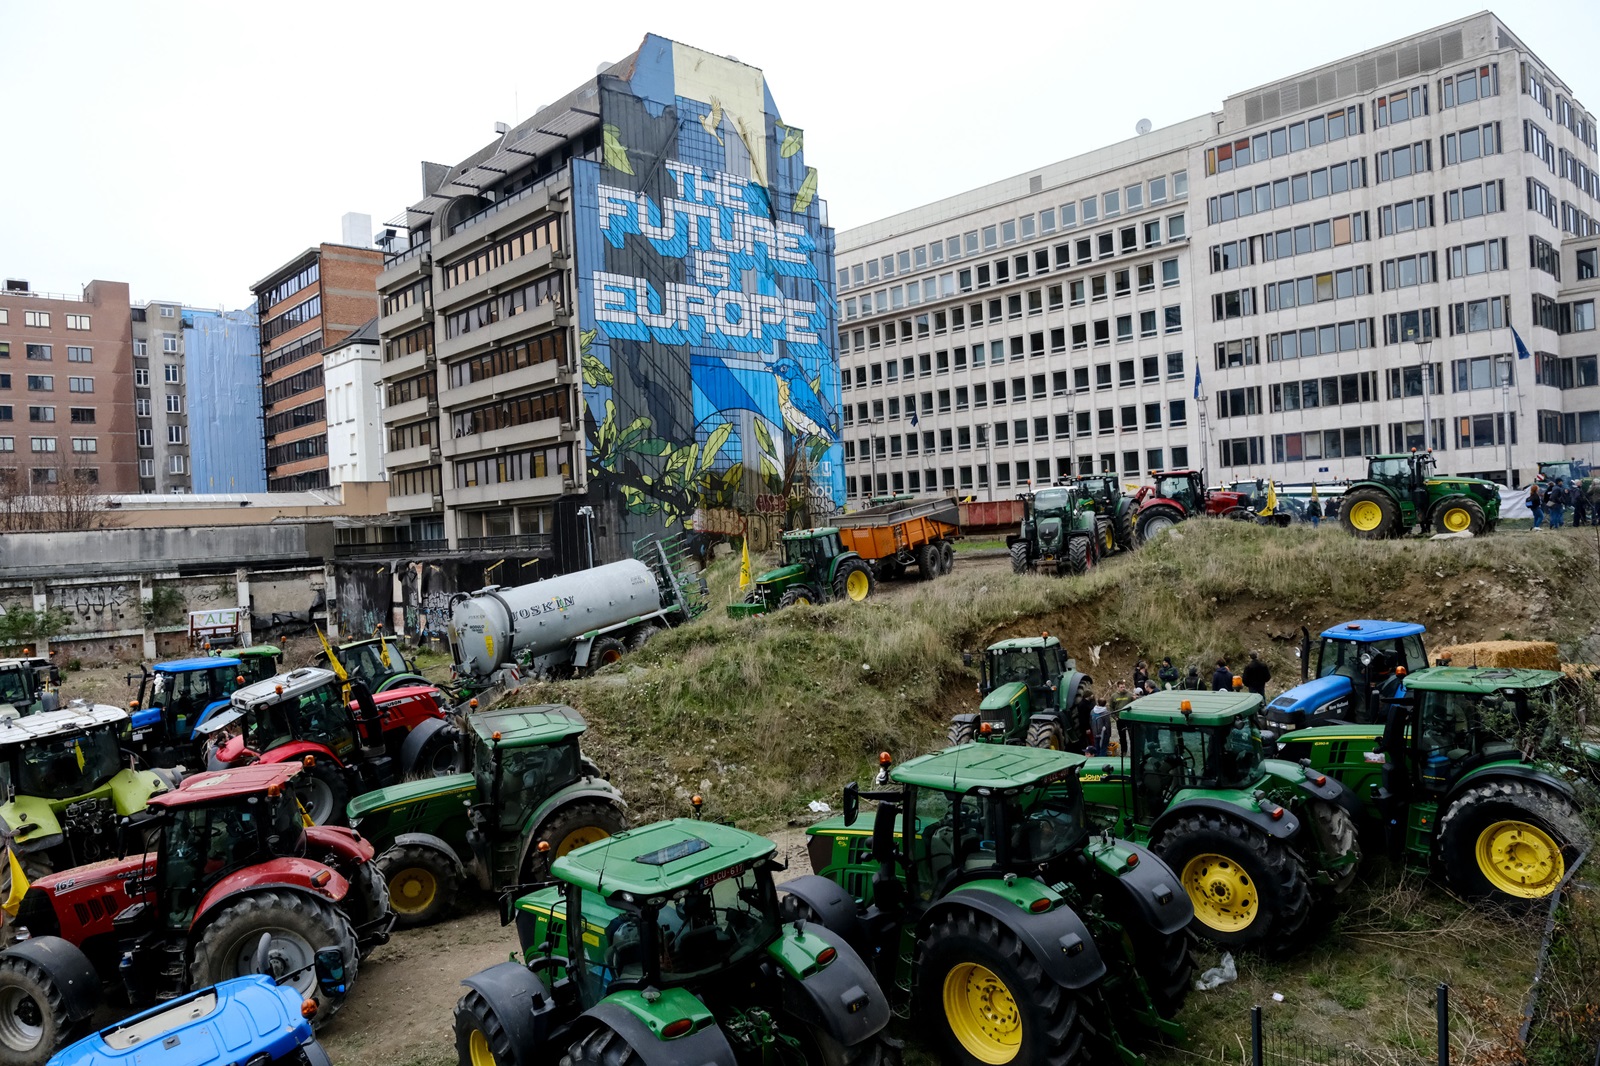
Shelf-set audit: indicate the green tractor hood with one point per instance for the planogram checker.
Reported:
(1050, 529)
(453, 788)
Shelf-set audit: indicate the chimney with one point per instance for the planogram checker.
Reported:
(357, 229)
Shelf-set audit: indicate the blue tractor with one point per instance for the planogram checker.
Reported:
(173, 699)
(1357, 664)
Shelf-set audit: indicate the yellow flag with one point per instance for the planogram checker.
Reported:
(744, 567)
(19, 885)
(1272, 499)
(383, 648)
(333, 660)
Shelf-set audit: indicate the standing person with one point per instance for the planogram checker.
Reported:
(1192, 681)
(1555, 504)
(1256, 674)
(1314, 509)
(1141, 674)
(1168, 674)
(1536, 505)
(1100, 728)
(1119, 701)
(1221, 677)
(1580, 506)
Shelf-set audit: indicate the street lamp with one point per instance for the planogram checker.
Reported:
(872, 456)
(1424, 344)
(1504, 359)
(587, 514)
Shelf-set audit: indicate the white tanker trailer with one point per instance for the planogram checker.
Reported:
(576, 621)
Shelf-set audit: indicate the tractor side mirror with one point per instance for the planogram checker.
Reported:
(883, 850)
(966, 658)
(329, 966)
(852, 803)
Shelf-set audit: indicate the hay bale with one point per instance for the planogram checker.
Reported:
(1581, 671)
(1519, 654)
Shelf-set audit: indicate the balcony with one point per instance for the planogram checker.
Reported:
(544, 431)
(539, 375)
(537, 488)
(418, 502)
(530, 321)
(405, 318)
(500, 278)
(504, 215)
(405, 365)
(410, 411)
(401, 458)
(406, 266)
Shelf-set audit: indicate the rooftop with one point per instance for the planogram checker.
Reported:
(1363, 630)
(226, 784)
(1205, 708)
(529, 726)
(970, 766)
(1479, 679)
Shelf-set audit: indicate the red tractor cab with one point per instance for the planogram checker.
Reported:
(225, 859)
(1177, 496)
(354, 744)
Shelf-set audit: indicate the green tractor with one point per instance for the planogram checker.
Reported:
(1031, 691)
(1401, 492)
(816, 568)
(684, 958)
(985, 900)
(1112, 507)
(1256, 842)
(529, 796)
(1059, 528)
(379, 662)
(1446, 778)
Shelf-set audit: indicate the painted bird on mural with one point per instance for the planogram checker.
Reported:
(805, 412)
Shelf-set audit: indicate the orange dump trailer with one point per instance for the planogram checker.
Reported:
(900, 534)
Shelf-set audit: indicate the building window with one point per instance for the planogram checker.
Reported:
(47, 475)
(141, 407)
(39, 353)
(85, 445)
(43, 444)
(80, 355)
(77, 321)
(147, 468)
(175, 464)
(8, 444)
(169, 342)
(37, 319)
(146, 439)
(81, 416)
(141, 377)
(174, 434)
(174, 403)
(169, 373)
(80, 384)
(141, 348)
(41, 383)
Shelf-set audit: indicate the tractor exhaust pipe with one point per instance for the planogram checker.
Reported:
(1305, 654)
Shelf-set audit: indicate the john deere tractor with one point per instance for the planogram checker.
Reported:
(1575, 472)
(1059, 530)
(1030, 694)
(816, 568)
(1256, 842)
(1446, 780)
(1401, 492)
(379, 662)
(1112, 507)
(683, 958)
(982, 896)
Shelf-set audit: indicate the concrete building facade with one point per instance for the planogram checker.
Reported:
(353, 372)
(222, 386)
(161, 404)
(1246, 291)
(66, 376)
(312, 302)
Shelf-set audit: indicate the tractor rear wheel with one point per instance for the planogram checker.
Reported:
(367, 902)
(854, 581)
(439, 754)
(1458, 514)
(962, 733)
(1047, 734)
(796, 595)
(422, 883)
(1122, 524)
(33, 1013)
(1336, 838)
(1080, 555)
(481, 1038)
(1154, 521)
(1248, 889)
(1019, 558)
(641, 636)
(1509, 842)
(928, 562)
(323, 793)
(1370, 514)
(602, 1047)
(569, 828)
(299, 925)
(986, 1000)
(604, 652)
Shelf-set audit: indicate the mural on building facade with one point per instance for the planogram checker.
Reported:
(705, 297)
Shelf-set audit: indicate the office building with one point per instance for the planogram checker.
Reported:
(354, 384)
(161, 408)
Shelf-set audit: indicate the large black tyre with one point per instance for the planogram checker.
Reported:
(962, 733)
(299, 924)
(438, 756)
(1080, 555)
(889, 570)
(853, 581)
(1336, 838)
(1019, 558)
(1122, 526)
(1370, 514)
(1249, 890)
(929, 562)
(479, 1032)
(1105, 535)
(1163, 960)
(1047, 734)
(323, 793)
(604, 652)
(1509, 842)
(947, 557)
(797, 594)
(367, 902)
(1154, 521)
(33, 1014)
(1458, 514)
(423, 883)
(641, 635)
(966, 959)
(570, 828)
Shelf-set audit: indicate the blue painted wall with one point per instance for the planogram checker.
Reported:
(222, 355)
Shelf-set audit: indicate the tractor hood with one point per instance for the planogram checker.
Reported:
(1310, 697)
(1003, 697)
(782, 573)
(451, 786)
(1049, 530)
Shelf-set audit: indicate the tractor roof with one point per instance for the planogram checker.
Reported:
(521, 727)
(278, 686)
(258, 650)
(184, 666)
(55, 723)
(1024, 643)
(662, 857)
(808, 534)
(988, 766)
(214, 785)
(1481, 680)
(1365, 630)
(1206, 708)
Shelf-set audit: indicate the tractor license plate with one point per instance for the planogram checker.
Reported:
(140, 734)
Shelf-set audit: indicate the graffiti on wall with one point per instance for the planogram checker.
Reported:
(92, 601)
(706, 314)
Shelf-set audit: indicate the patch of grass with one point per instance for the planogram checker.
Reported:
(995, 544)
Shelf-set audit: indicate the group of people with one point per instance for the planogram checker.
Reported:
(1104, 731)
(1550, 499)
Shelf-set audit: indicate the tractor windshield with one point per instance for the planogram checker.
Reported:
(200, 845)
(811, 552)
(711, 927)
(1017, 664)
(68, 765)
(955, 833)
(1171, 758)
(16, 686)
(1396, 472)
(528, 776)
(1373, 659)
(1053, 501)
(364, 662)
(1046, 824)
(1177, 487)
(181, 696)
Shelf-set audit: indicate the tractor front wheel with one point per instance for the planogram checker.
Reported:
(797, 595)
(1248, 889)
(1019, 558)
(986, 1000)
(1154, 521)
(1370, 514)
(33, 1013)
(299, 925)
(1336, 838)
(1457, 514)
(1080, 555)
(1509, 841)
(422, 883)
(481, 1038)
(1047, 735)
(854, 581)
(962, 733)
(323, 793)
(568, 829)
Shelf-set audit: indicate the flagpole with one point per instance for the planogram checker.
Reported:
(1505, 413)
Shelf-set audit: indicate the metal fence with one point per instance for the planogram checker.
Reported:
(1294, 1049)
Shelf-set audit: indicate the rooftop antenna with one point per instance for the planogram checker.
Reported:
(1143, 127)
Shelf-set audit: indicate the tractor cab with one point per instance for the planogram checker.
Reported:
(1356, 665)
(1055, 502)
(1367, 652)
(521, 756)
(1460, 717)
(813, 550)
(1190, 740)
(1570, 471)
(175, 696)
(1030, 688)
(1402, 473)
(1100, 490)
(28, 686)
(1182, 486)
(378, 662)
(306, 704)
(60, 755)
(260, 661)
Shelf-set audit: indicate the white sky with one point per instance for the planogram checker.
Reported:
(189, 149)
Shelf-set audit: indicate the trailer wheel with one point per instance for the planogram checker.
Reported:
(947, 560)
(33, 1013)
(604, 652)
(928, 562)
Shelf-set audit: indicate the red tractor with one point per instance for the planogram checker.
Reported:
(225, 863)
(1176, 496)
(354, 745)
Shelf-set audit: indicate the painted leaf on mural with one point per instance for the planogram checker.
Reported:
(615, 154)
(819, 448)
(763, 438)
(807, 192)
(596, 373)
(636, 500)
(793, 140)
(769, 472)
(635, 431)
(714, 443)
(653, 446)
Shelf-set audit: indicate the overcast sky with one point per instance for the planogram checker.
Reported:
(190, 149)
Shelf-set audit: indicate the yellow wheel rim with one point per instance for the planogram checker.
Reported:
(1520, 859)
(1223, 895)
(982, 1013)
(412, 890)
(798, 600)
(856, 586)
(478, 1049)
(1456, 519)
(579, 837)
(1366, 515)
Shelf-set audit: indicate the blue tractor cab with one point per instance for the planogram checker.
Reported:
(174, 697)
(1356, 664)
